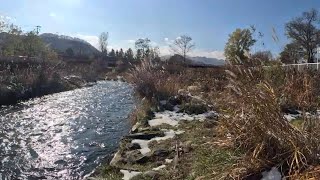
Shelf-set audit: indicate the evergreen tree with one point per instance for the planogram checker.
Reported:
(129, 55)
(117, 53)
(139, 55)
(121, 53)
(112, 53)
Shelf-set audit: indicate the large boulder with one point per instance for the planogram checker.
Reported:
(161, 154)
(75, 81)
(133, 146)
(135, 157)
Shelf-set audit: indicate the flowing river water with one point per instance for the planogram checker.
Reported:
(64, 135)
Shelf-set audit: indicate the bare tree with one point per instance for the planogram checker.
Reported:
(103, 43)
(182, 46)
(304, 32)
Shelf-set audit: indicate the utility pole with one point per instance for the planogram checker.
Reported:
(38, 29)
(317, 54)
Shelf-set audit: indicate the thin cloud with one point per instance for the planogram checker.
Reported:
(164, 49)
(52, 14)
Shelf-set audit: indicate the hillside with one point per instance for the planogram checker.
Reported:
(196, 60)
(207, 61)
(61, 43)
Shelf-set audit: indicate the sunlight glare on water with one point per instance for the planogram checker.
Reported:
(64, 135)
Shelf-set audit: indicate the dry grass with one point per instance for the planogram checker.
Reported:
(23, 80)
(154, 82)
(257, 125)
(158, 82)
(254, 98)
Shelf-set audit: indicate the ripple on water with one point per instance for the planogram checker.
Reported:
(64, 135)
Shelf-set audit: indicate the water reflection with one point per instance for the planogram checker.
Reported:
(65, 135)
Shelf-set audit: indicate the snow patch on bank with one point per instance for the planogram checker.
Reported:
(159, 168)
(168, 161)
(173, 118)
(291, 117)
(144, 143)
(127, 175)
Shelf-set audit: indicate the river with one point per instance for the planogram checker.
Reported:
(64, 135)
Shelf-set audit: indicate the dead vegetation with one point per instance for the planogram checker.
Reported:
(255, 118)
(24, 80)
(252, 135)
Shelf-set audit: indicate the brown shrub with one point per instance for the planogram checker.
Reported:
(155, 82)
(162, 82)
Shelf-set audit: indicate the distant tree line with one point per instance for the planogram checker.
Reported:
(143, 49)
(15, 42)
(303, 33)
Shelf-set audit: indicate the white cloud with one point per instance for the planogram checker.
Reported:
(131, 41)
(93, 40)
(166, 39)
(154, 44)
(52, 14)
(209, 54)
(165, 50)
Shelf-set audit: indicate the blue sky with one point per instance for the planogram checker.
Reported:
(208, 22)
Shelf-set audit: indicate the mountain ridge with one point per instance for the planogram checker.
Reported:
(200, 60)
(60, 43)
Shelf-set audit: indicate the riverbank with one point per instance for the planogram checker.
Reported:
(170, 143)
(173, 130)
(22, 80)
(232, 123)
